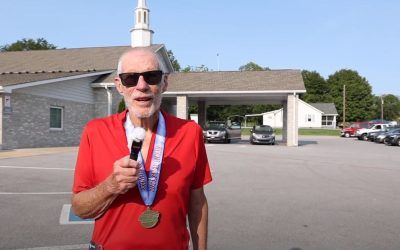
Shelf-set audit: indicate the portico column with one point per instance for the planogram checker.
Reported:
(292, 121)
(182, 106)
(201, 107)
(284, 121)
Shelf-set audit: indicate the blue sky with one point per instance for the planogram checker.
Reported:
(320, 35)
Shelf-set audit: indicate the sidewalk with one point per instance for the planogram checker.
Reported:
(23, 152)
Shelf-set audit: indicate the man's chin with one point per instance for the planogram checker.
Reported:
(143, 113)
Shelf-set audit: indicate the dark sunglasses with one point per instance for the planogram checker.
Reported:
(131, 79)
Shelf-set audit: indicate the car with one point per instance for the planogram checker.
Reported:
(351, 131)
(362, 134)
(380, 136)
(392, 139)
(218, 131)
(262, 134)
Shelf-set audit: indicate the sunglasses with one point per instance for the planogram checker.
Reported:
(131, 79)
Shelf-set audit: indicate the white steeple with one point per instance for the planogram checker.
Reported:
(141, 35)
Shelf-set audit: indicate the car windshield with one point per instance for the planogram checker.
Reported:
(215, 125)
(262, 129)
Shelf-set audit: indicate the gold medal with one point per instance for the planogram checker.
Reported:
(149, 218)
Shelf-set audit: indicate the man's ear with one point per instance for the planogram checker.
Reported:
(118, 85)
(165, 86)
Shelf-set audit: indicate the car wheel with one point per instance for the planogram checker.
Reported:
(364, 137)
(386, 142)
(347, 135)
(398, 142)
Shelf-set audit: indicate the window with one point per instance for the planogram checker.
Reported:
(56, 118)
(144, 17)
(139, 16)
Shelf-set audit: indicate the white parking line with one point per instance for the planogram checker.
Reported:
(65, 247)
(65, 218)
(37, 168)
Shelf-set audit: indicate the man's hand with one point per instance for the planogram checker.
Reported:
(94, 202)
(124, 177)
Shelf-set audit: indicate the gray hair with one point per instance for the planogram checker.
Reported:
(121, 58)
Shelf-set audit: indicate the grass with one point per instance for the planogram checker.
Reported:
(304, 131)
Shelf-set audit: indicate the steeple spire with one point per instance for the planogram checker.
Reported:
(141, 35)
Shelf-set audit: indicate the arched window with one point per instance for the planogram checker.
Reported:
(139, 16)
(145, 17)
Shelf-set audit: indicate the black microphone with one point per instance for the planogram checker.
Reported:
(137, 142)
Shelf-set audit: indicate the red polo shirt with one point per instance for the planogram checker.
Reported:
(185, 167)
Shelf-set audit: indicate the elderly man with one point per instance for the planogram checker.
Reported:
(143, 203)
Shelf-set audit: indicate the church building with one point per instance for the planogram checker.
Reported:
(47, 96)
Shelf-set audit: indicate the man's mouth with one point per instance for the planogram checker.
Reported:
(144, 99)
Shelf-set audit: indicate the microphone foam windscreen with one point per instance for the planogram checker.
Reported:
(138, 134)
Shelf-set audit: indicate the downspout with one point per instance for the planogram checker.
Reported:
(109, 99)
(294, 118)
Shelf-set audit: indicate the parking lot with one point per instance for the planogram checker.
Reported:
(328, 193)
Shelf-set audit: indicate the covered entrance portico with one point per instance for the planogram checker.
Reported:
(181, 101)
(237, 88)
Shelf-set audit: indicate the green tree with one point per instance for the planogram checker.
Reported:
(251, 66)
(359, 99)
(175, 64)
(201, 68)
(28, 44)
(391, 107)
(121, 106)
(316, 86)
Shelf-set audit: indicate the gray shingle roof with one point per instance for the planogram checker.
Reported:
(19, 78)
(28, 66)
(326, 108)
(269, 80)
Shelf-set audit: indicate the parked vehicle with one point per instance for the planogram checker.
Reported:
(392, 139)
(222, 132)
(362, 134)
(380, 136)
(262, 134)
(351, 131)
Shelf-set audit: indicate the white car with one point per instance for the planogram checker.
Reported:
(362, 134)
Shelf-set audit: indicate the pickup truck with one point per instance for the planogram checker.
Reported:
(362, 134)
(351, 131)
(222, 132)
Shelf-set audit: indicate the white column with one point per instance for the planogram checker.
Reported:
(292, 121)
(182, 107)
(284, 121)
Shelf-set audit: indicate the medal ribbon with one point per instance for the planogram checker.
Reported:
(148, 185)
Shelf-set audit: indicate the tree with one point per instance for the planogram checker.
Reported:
(28, 44)
(251, 66)
(316, 86)
(201, 68)
(391, 107)
(359, 97)
(175, 64)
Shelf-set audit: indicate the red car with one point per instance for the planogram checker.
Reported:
(351, 131)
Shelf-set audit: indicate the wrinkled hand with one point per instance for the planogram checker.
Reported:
(124, 177)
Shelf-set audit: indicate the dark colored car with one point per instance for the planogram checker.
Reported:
(392, 139)
(216, 131)
(262, 134)
(380, 136)
(373, 136)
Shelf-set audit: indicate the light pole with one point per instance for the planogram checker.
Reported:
(382, 108)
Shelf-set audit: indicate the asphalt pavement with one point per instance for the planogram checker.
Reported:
(328, 193)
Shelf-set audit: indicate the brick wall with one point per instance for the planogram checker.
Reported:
(28, 125)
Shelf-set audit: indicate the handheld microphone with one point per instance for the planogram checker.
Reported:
(137, 141)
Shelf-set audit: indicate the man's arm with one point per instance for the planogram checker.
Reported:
(92, 203)
(198, 218)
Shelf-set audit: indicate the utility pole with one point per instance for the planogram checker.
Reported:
(218, 60)
(344, 105)
(381, 108)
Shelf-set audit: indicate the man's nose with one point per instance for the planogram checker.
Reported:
(142, 84)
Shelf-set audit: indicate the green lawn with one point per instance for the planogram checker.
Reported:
(304, 131)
